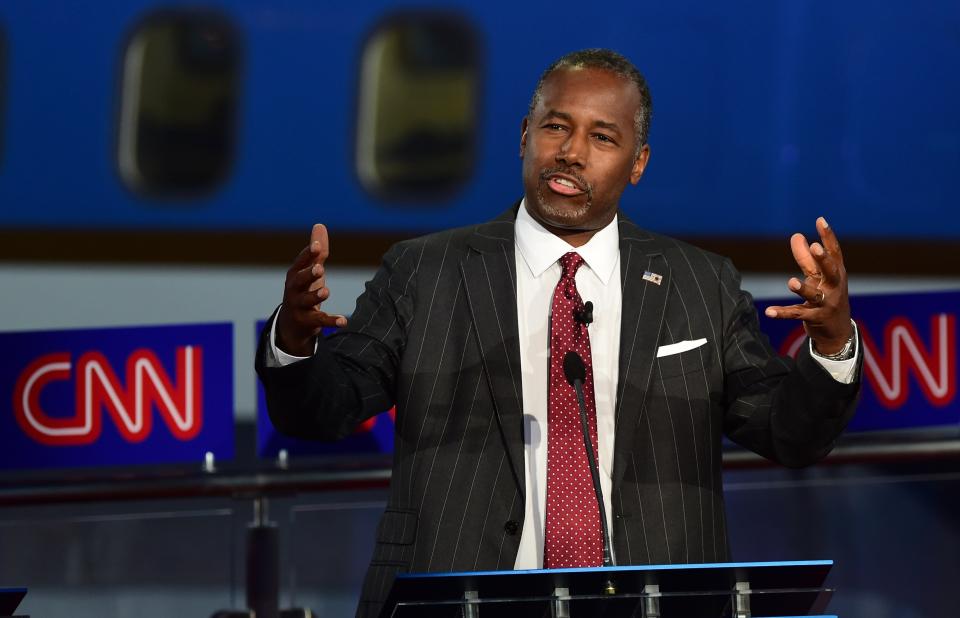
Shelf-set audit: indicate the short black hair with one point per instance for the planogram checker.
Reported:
(607, 60)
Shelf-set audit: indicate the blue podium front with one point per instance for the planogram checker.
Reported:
(737, 590)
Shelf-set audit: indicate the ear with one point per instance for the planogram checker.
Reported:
(640, 164)
(523, 136)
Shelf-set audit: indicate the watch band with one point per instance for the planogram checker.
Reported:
(845, 354)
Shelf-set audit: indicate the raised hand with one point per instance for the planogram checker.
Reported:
(305, 289)
(826, 308)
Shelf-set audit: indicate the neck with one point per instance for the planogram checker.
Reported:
(574, 238)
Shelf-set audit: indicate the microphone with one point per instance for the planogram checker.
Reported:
(584, 315)
(576, 373)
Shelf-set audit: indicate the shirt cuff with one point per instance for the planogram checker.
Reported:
(843, 371)
(277, 357)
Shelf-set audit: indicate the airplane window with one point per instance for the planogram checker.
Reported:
(179, 99)
(417, 118)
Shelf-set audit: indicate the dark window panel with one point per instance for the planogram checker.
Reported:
(179, 99)
(417, 117)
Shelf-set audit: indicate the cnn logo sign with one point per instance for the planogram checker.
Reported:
(97, 390)
(889, 359)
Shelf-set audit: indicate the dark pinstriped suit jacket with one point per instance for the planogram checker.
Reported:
(436, 333)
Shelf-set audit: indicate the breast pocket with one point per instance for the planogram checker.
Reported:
(683, 358)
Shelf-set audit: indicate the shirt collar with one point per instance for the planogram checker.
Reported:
(541, 249)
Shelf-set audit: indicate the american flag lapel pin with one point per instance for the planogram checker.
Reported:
(652, 277)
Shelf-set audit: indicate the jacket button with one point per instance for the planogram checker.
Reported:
(511, 527)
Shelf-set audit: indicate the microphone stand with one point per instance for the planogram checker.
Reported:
(575, 372)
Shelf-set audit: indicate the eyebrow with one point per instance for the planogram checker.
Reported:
(602, 124)
(612, 126)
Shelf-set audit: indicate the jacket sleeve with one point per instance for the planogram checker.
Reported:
(352, 375)
(789, 411)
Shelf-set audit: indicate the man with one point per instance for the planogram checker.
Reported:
(464, 332)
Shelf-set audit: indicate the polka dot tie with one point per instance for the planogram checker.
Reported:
(572, 536)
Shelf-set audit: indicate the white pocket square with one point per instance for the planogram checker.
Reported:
(680, 346)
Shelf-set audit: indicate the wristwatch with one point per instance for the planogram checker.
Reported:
(845, 354)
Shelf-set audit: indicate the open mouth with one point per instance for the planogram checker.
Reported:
(565, 184)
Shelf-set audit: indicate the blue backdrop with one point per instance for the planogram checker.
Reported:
(767, 114)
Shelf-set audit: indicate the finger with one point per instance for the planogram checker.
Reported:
(310, 299)
(317, 284)
(829, 238)
(318, 320)
(317, 247)
(303, 259)
(304, 278)
(303, 303)
(826, 264)
(317, 278)
(802, 256)
(329, 320)
(829, 254)
(791, 312)
(320, 241)
(317, 316)
(808, 290)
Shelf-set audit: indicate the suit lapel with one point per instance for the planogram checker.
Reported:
(643, 306)
(489, 276)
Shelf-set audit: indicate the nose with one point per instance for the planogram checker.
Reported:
(572, 151)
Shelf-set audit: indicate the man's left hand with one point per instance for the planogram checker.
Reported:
(826, 308)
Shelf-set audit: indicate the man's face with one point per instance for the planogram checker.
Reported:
(578, 148)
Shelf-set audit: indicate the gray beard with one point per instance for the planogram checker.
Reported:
(561, 218)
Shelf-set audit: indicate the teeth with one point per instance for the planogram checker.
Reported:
(565, 182)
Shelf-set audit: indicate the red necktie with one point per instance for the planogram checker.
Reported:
(572, 537)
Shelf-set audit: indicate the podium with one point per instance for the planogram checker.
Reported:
(734, 590)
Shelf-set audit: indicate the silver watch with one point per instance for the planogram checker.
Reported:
(845, 354)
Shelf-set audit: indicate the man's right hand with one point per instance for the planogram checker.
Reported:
(301, 319)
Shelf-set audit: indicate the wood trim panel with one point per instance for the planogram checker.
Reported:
(253, 248)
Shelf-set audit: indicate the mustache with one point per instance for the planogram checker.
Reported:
(560, 169)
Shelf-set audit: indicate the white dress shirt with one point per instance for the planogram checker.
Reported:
(598, 281)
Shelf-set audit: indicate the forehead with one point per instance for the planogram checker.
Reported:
(593, 94)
